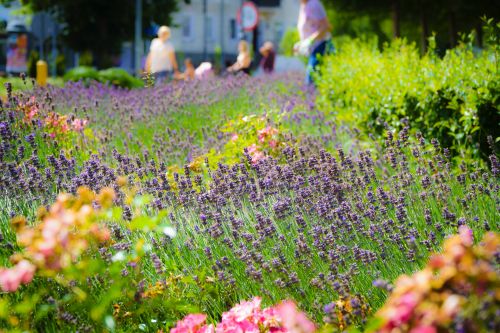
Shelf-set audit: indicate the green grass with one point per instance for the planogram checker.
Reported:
(19, 85)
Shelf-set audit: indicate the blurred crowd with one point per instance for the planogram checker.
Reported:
(315, 40)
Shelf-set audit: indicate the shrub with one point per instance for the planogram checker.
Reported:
(113, 76)
(81, 73)
(455, 99)
(289, 39)
(455, 292)
(119, 77)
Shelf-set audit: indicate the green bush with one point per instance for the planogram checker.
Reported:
(120, 78)
(114, 76)
(455, 99)
(289, 39)
(81, 73)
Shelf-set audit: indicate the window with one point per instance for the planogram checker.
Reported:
(187, 27)
(233, 29)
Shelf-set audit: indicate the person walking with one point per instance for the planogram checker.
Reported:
(243, 61)
(315, 38)
(161, 60)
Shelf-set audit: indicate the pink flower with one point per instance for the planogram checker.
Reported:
(244, 310)
(466, 235)
(32, 112)
(255, 153)
(257, 157)
(293, 320)
(404, 309)
(424, 329)
(252, 149)
(273, 143)
(242, 318)
(234, 137)
(79, 124)
(265, 133)
(11, 278)
(192, 323)
(207, 329)
(230, 326)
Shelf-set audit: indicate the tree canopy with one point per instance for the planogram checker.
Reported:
(101, 26)
(446, 17)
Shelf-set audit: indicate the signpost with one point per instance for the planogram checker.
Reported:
(248, 16)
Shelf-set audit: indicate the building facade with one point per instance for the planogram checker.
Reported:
(198, 31)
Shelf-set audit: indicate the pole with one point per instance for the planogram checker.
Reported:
(138, 37)
(42, 34)
(54, 49)
(205, 27)
(222, 60)
(242, 31)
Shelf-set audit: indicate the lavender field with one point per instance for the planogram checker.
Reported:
(129, 210)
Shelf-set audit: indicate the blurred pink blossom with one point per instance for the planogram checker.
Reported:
(193, 323)
(11, 278)
(293, 320)
(79, 124)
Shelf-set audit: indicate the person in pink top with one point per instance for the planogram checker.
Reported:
(314, 30)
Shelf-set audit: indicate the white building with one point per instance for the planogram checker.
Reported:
(197, 35)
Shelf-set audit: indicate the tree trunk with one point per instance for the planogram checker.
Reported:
(424, 24)
(479, 34)
(396, 19)
(452, 20)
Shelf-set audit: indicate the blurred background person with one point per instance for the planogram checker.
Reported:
(204, 71)
(161, 60)
(268, 57)
(314, 31)
(243, 61)
(189, 71)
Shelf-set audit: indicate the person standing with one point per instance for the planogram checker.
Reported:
(314, 31)
(161, 60)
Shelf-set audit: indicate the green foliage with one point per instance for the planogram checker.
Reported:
(218, 58)
(102, 30)
(114, 76)
(289, 39)
(85, 58)
(84, 73)
(455, 99)
(119, 77)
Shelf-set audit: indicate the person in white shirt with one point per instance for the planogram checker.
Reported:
(243, 61)
(161, 60)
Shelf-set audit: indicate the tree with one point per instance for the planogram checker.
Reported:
(446, 17)
(101, 26)
(372, 8)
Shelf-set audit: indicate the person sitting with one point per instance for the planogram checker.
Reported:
(204, 71)
(268, 57)
(243, 61)
(189, 71)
